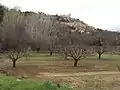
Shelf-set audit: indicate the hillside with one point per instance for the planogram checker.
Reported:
(75, 24)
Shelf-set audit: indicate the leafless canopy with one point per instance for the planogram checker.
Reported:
(15, 38)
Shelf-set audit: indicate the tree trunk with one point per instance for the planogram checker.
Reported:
(27, 58)
(75, 62)
(65, 56)
(51, 53)
(38, 50)
(99, 56)
(14, 63)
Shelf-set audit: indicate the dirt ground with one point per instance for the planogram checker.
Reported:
(101, 75)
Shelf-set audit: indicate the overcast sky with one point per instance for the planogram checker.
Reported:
(103, 14)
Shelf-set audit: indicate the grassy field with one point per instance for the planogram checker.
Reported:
(91, 73)
(11, 83)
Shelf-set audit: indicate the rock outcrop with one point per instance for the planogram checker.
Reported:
(75, 24)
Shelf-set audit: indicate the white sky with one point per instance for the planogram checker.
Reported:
(98, 13)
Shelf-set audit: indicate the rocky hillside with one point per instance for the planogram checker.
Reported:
(75, 24)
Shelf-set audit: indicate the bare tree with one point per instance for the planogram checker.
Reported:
(15, 36)
(100, 43)
(77, 52)
(41, 28)
(34, 29)
(74, 44)
(103, 42)
(63, 40)
(99, 47)
(62, 50)
(100, 50)
(51, 33)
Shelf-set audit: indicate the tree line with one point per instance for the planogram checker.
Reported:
(22, 32)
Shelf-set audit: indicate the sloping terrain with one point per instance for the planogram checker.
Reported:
(75, 24)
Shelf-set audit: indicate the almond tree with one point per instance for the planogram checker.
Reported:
(75, 44)
(77, 52)
(99, 47)
(102, 42)
(15, 36)
(62, 50)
